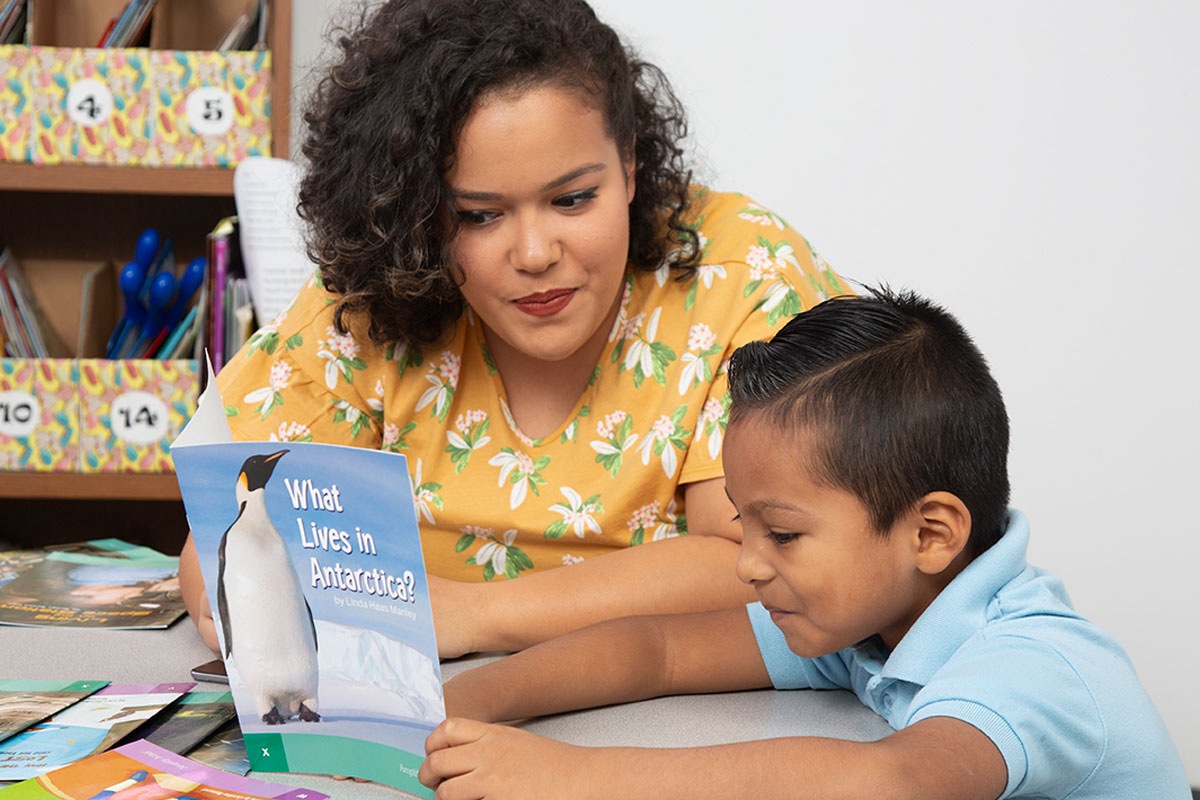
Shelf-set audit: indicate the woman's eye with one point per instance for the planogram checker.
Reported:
(781, 538)
(476, 217)
(576, 199)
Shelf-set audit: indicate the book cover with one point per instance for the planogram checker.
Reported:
(312, 561)
(78, 590)
(188, 722)
(143, 771)
(15, 562)
(23, 703)
(90, 726)
(225, 749)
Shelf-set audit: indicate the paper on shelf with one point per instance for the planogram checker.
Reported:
(272, 233)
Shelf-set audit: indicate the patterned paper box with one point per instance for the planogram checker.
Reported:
(70, 105)
(211, 109)
(39, 415)
(131, 410)
(14, 103)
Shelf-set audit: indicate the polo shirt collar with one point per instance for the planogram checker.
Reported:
(960, 609)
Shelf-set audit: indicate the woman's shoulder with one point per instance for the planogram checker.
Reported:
(730, 224)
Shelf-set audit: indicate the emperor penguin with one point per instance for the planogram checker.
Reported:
(266, 621)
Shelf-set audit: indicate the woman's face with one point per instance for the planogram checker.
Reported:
(542, 195)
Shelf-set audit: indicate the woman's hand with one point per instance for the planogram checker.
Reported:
(468, 759)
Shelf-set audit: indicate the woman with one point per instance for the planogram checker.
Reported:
(520, 290)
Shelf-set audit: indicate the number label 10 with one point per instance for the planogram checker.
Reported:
(20, 413)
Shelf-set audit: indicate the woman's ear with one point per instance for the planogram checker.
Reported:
(944, 526)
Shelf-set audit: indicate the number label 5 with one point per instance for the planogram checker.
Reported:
(209, 110)
(138, 417)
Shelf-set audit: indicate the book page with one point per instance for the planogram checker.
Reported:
(265, 191)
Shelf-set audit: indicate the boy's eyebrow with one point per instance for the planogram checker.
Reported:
(759, 505)
(561, 180)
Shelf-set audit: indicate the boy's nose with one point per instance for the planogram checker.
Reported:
(751, 567)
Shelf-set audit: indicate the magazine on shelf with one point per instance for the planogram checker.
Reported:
(312, 562)
(144, 770)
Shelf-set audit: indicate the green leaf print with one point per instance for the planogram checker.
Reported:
(556, 529)
(231, 411)
(464, 542)
(294, 342)
(690, 300)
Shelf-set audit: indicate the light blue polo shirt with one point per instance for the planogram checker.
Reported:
(1001, 648)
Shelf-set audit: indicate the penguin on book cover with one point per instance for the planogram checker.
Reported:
(266, 621)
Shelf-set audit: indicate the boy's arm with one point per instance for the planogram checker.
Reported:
(644, 656)
(935, 759)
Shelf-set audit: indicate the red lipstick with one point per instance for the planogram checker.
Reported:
(543, 304)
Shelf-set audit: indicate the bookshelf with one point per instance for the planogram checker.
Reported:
(64, 219)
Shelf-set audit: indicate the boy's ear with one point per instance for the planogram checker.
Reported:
(944, 526)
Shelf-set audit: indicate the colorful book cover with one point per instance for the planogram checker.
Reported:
(312, 561)
(187, 722)
(225, 749)
(22, 703)
(78, 590)
(144, 771)
(92, 725)
(15, 562)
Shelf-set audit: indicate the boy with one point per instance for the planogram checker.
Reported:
(866, 456)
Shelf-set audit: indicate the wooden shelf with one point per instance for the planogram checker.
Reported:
(116, 180)
(89, 486)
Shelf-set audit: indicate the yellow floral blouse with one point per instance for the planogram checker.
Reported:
(494, 503)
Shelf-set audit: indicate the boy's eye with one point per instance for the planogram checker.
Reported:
(471, 217)
(781, 538)
(576, 199)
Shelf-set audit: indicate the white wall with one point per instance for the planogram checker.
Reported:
(1033, 165)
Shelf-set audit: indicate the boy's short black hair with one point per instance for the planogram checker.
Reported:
(900, 399)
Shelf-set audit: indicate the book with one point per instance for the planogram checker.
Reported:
(222, 249)
(90, 726)
(224, 749)
(67, 589)
(15, 562)
(311, 557)
(186, 723)
(23, 703)
(145, 771)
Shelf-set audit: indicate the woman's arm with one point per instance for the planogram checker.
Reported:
(687, 573)
(644, 657)
(195, 598)
(936, 759)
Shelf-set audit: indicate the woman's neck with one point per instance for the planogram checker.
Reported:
(541, 394)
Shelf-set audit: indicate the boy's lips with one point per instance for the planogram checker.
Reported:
(543, 304)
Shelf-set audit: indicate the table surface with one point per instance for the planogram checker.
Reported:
(167, 656)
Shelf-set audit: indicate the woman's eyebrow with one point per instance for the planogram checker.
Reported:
(565, 178)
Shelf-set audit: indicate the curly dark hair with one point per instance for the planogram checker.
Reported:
(382, 129)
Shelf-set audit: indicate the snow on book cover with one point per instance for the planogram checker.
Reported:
(312, 562)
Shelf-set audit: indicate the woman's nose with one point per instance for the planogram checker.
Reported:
(537, 246)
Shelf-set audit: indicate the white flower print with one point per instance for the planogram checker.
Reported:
(340, 352)
(270, 396)
(569, 559)
(578, 514)
(376, 403)
(521, 470)
(617, 432)
(497, 556)
(701, 344)
(707, 272)
(661, 431)
(444, 377)
(710, 417)
(425, 496)
(292, 432)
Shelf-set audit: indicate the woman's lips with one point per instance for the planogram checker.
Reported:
(543, 304)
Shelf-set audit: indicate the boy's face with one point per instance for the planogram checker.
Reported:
(827, 577)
